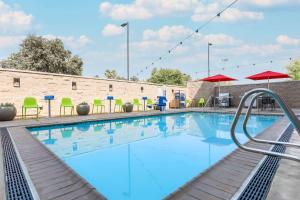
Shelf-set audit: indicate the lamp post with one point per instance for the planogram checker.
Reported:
(208, 67)
(127, 26)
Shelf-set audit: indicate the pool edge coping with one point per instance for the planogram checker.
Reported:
(115, 117)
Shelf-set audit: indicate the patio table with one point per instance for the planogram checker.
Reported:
(49, 98)
(110, 98)
(144, 99)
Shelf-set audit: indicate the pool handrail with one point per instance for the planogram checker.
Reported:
(288, 112)
(254, 96)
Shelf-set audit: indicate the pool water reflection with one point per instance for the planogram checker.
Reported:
(148, 157)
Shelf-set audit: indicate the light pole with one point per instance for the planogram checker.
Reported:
(208, 67)
(127, 26)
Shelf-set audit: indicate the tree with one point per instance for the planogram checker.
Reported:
(45, 55)
(294, 69)
(169, 76)
(110, 74)
(134, 78)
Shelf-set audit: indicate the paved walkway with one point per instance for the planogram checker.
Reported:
(286, 183)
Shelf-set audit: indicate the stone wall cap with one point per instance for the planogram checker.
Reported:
(84, 77)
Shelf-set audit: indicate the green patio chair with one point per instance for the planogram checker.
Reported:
(98, 103)
(149, 103)
(188, 103)
(119, 104)
(136, 102)
(30, 103)
(201, 102)
(66, 102)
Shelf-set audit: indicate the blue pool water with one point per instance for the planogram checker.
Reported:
(148, 157)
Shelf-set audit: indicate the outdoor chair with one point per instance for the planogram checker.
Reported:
(98, 103)
(201, 102)
(188, 103)
(119, 104)
(30, 103)
(136, 102)
(149, 103)
(268, 102)
(66, 102)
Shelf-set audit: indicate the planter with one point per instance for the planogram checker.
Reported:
(83, 109)
(127, 107)
(7, 113)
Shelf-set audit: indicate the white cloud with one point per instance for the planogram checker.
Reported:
(112, 30)
(286, 40)
(247, 49)
(10, 41)
(12, 20)
(221, 39)
(167, 33)
(269, 3)
(145, 9)
(206, 12)
(71, 41)
(167, 36)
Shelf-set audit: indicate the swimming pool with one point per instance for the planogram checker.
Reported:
(145, 157)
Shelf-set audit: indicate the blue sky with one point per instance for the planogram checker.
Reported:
(251, 32)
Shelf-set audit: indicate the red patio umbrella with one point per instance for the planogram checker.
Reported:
(268, 75)
(218, 78)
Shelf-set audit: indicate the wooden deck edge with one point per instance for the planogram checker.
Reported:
(21, 135)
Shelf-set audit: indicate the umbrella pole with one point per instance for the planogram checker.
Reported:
(219, 89)
(268, 83)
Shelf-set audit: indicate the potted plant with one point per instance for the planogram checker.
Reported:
(128, 107)
(83, 108)
(7, 112)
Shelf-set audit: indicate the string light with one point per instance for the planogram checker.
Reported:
(239, 66)
(198, 29)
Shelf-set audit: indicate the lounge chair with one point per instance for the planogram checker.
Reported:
(98, 103)
(136, 102)
(119, 104)
(66, 102)
(30, 103)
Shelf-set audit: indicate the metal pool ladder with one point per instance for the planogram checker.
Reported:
(288, 112)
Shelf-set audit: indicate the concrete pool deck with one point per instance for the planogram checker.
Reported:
(52, 179)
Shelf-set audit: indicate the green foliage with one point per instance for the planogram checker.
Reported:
(294, 69)
(169, 77)
(112, 74)
(44, 55)
(134, 78)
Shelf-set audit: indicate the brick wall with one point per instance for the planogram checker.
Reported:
(39, 84)
(197, 89)
(289, 91)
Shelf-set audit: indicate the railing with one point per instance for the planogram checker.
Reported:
(288, 112)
